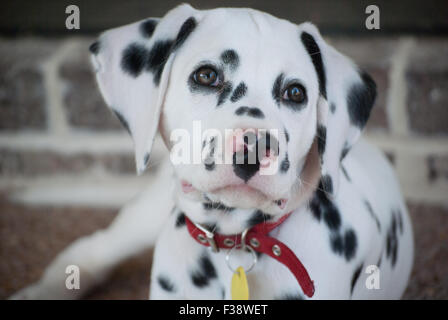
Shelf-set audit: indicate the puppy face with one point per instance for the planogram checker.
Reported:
(255, 77)
(268, 104)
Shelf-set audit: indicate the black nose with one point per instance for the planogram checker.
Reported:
(246, 162)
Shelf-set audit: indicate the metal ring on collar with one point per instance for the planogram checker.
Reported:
(252, 251)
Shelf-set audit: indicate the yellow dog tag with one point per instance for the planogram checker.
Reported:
(240, 288)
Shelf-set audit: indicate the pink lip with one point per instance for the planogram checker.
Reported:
(241, 188)
(186, 187)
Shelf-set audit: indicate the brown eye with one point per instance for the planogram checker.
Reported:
(294, 93)
(206, 76)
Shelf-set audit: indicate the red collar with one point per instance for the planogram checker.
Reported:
(257, 238)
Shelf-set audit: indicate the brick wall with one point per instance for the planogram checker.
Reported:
(59, 142)
(63, 154)
(61, 145)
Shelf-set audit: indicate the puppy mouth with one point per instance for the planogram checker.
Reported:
(245, 196)
(240, 196)
(237, 195)
(243, 189)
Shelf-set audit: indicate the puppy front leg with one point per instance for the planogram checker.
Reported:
(134, 229)
(90, 254)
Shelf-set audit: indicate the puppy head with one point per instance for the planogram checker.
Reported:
(254, 109)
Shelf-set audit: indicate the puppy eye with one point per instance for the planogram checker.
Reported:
(294, 93)
(206, 76)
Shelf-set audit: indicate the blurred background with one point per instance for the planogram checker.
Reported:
(66, 164)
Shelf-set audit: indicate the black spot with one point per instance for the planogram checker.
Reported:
(332, 218)
(400, 220)
(205, 272)
(327, 183)
(351, 243)
(355, 278)
(277, 88)
(161, 50)
(258, 217)
(255, 113)
(199, 280)
(187, 28)
(373, 215)
(380, 259)
(165, 283)
(322, 207)
(360, 100)
(346, 174)
(134, 59)
(284, 166)
(344, 152)
(216, 206)
(147, 28)
(239, 92)
(343, 244)
(122, 120)
(146, 159)
(251, 112)
(321, 139)
(230, 57)
(332, 107)
(241, 110)
(94, 48)
(209, 166)
(337, 243)
(291, 296)
(224, 93)
(286, 136)
(180, 221)
(314, 51)
(392, 241)
(157, 58)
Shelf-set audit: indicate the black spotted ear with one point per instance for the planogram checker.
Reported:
(347, 96)
(133, 64)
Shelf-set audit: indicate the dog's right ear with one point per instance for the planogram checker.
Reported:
(347, 95)
(132, 65)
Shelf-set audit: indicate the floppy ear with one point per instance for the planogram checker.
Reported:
(133, 64)
(347, 95)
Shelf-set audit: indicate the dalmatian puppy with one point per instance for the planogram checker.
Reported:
(334, 201)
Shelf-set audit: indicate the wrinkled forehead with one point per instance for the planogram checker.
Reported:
(255, 39)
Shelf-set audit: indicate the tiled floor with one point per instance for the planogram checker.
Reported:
(31, 237)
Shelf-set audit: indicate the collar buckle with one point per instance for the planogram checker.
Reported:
(209, 237)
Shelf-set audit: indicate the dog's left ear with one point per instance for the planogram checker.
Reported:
(347, 95)
(133, 64)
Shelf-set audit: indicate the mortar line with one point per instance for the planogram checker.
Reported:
(396, 109)
(57, 121)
